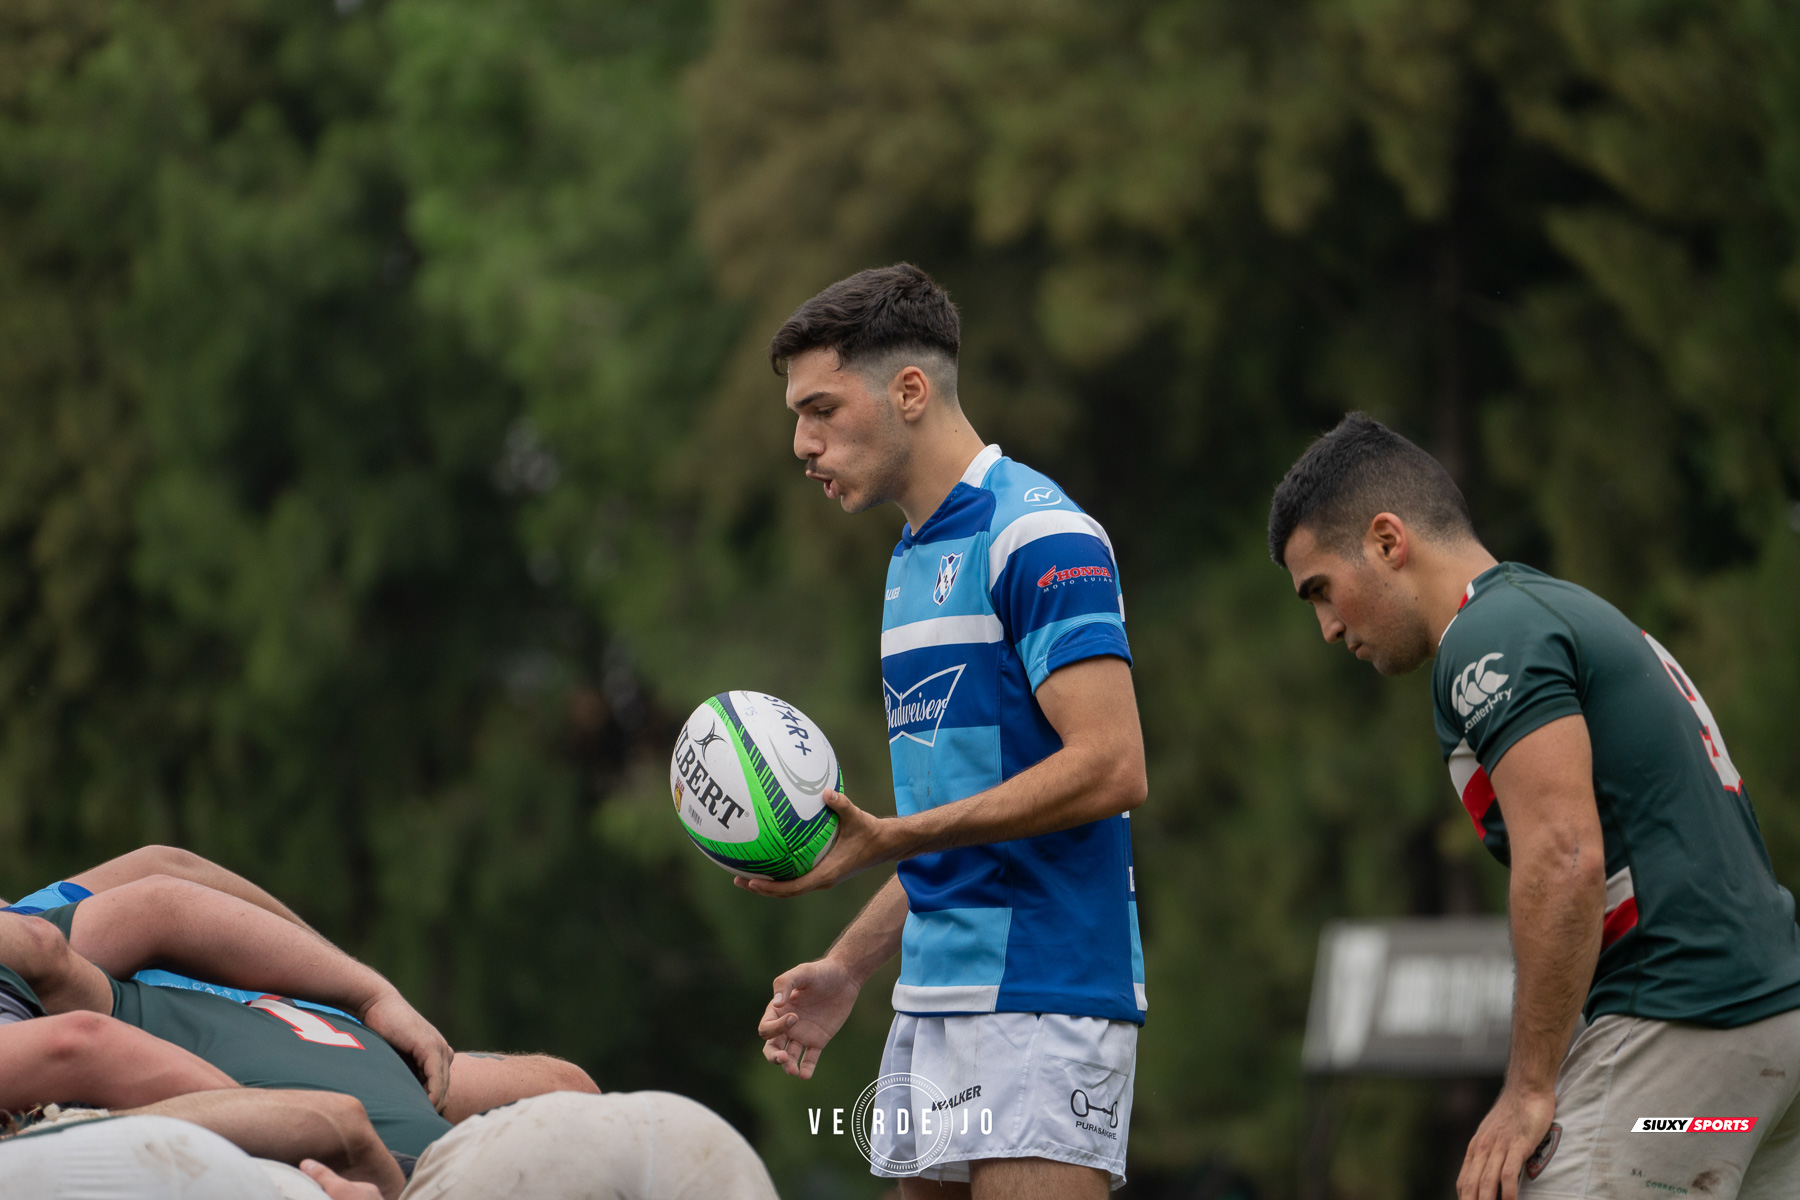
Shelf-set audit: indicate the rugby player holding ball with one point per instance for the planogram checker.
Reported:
(1013, 732)
(1590, 765)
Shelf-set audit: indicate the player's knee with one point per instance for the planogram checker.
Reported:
(76, 1037)
(570, 1078)
(345, 1112)
(165, 860)
(35, 949)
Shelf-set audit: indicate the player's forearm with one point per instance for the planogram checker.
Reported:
(290, 1126)
(1076, 785)
(219, 938)
(874, 936)
(1558, 899)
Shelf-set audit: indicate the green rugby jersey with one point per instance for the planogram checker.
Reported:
(271, 1043)
(1696, 927)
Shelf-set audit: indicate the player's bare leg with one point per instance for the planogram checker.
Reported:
(1036, 1179)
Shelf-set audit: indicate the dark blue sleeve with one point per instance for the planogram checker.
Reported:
(1058, 598)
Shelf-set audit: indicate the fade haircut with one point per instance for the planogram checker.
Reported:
(878, 321)
(1359, 469)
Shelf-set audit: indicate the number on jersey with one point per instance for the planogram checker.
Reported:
(1709, 729)
(308, 1026)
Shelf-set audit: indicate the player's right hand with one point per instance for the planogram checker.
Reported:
(1513, 1129)
(414, 1038)
(810, 1005)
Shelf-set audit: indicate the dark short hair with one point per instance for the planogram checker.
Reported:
(872, 315)
(1359, 469)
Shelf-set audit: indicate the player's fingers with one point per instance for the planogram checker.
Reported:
(1468, 1181)
(1489, 1186)
(335, 1185)
(807, 1068)
(1510, 1169)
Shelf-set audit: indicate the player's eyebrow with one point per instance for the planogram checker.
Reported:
(1309, 585)
(800, 405)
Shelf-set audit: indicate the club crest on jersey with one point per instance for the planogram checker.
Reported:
(1478, 689)
(946, 577)
(917, 712)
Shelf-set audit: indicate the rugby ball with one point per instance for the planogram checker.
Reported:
(748, 778)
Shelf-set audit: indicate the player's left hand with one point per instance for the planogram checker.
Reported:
(336, 1186)
(863, 841)
(1509, 1135)
(415, 1038)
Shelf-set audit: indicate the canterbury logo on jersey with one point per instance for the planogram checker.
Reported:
(917, 712)
(1052, 577)
(1478, 689)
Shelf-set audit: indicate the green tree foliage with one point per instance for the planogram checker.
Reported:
(271, 589)
(389, 456)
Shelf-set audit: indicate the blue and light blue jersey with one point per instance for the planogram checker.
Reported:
(1006, 582)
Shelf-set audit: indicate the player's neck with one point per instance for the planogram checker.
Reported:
(1447, 582)
(940, 456)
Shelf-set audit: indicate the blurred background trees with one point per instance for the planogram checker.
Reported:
(388, 458)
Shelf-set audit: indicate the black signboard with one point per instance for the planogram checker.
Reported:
(1429, 996)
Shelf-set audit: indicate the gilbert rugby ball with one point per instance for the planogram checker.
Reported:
(748, 779)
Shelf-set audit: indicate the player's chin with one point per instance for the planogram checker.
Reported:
(1391, 665)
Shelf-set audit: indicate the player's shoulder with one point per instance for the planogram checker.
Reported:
(1021, 491)
(1514, 600)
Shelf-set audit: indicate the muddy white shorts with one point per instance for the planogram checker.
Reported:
(955, 1090)
(128, 1158)
(1661, 1108)
(576, 1146)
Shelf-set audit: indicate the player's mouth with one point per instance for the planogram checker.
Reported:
(833, 489)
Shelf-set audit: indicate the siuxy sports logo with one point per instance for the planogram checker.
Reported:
(917, 712)
(1041, 495)
(946, 578)
(1693, 1125)
(1054, 578)
(1478, 689)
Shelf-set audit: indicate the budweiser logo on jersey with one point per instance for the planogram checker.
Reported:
(1693, 1125)
(917, 712)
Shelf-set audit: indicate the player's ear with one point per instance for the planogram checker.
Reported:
(1388, 540)
(910, 389)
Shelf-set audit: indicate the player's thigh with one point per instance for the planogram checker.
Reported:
(130, 1158)
(1622, 1068)
(932, 1189)
(570, 1146)
(1036, 1179)
(1774, 1174)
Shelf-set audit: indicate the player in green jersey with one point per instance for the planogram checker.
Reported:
(1641, 890)
(558, 1142)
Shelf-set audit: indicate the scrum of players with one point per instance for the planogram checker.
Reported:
(169, 1029)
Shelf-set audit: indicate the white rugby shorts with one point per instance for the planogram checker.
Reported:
(1005, 1085)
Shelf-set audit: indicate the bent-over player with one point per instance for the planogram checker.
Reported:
(1589, 763)
(1017, 756)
